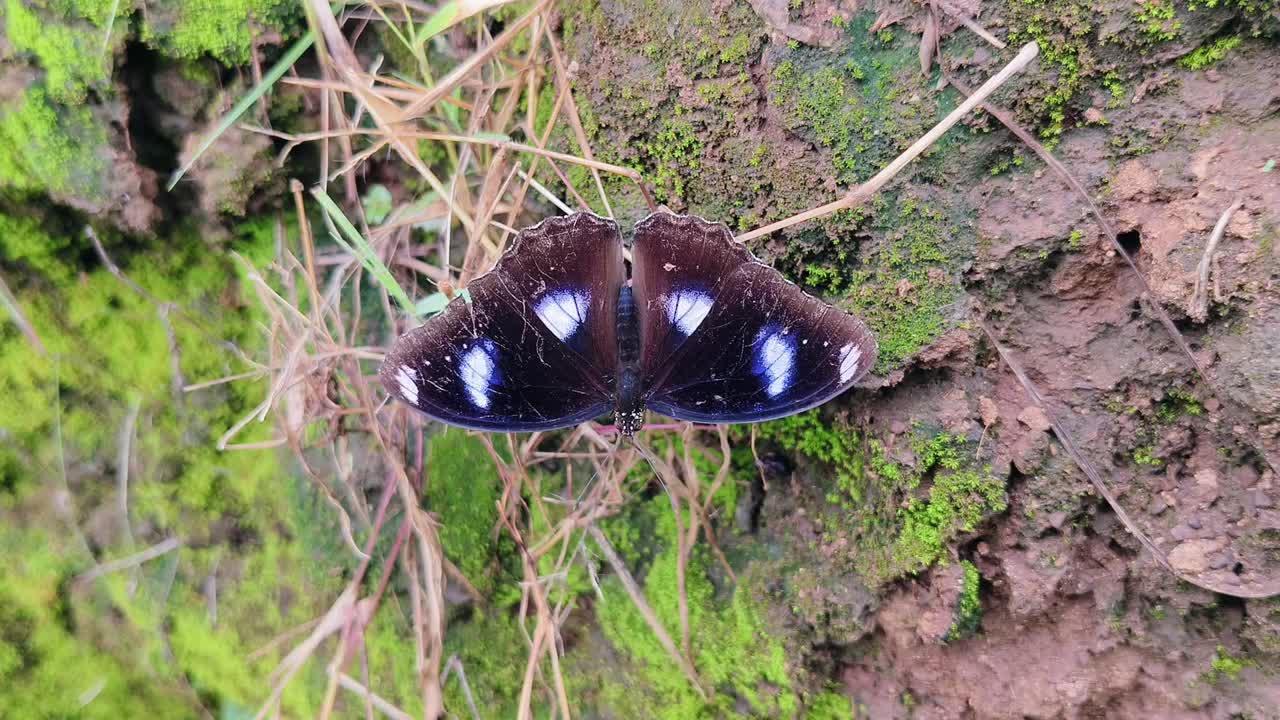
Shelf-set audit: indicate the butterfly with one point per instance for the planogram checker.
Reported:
(559, 332)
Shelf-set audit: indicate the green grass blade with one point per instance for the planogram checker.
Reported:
(441, 20)
(363, 251)
(275, 73)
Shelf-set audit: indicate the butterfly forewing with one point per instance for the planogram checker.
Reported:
(761, 348)
(536, 346)
(679, 263)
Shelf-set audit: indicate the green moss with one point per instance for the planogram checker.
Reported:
(1145, 455)
(1063, 29)
(1178, 403)
(860, 105)
(673, 154)
(264, 545)
(904, 285)
(903, 278)
(737, 49)
(1225, 666)
(493, 653)
(68, 39)
(46, 668)
(901, 518)
(829, 706)
(462, 489)
(1206, 55)
(49, 148)
(969, 609)
(957, 502)
(733, 650)
(652, 126)
(1157, 20)
(23, 242)
(224, 29)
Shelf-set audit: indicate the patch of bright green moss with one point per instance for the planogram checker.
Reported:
(1177, 403)
(1225, 666)
(47, 147)
(250, 566)
(903, 286)
(957, 502)
(69, 40)
(673, 154)
(24, 243)
(969, 609)
(46, 668)
(224, 29)
(733, 650)
(829, 706)
(1145, 455)
(462, 490)
(493, 653)
(1063, 29)
(901, 519)
(1206, 55)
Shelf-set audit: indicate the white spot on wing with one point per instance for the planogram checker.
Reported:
(686, 309)
(849, 356)
(563, 312)
(476, 368)
(408, 381)
(775, 360)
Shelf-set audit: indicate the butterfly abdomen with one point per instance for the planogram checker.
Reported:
(628, 403)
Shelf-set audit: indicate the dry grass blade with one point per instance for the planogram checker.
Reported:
(446, 84)
(384, 707)
(124, 563)
(971, 24)
(385, 113)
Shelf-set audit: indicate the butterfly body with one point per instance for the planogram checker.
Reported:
(628, 405)
(559, 332)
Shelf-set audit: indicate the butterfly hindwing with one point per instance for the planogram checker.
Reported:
(762, 348)
(536, 346)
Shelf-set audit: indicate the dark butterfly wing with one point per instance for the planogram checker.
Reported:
(535, 348)
(744, 344)
(678, 263)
